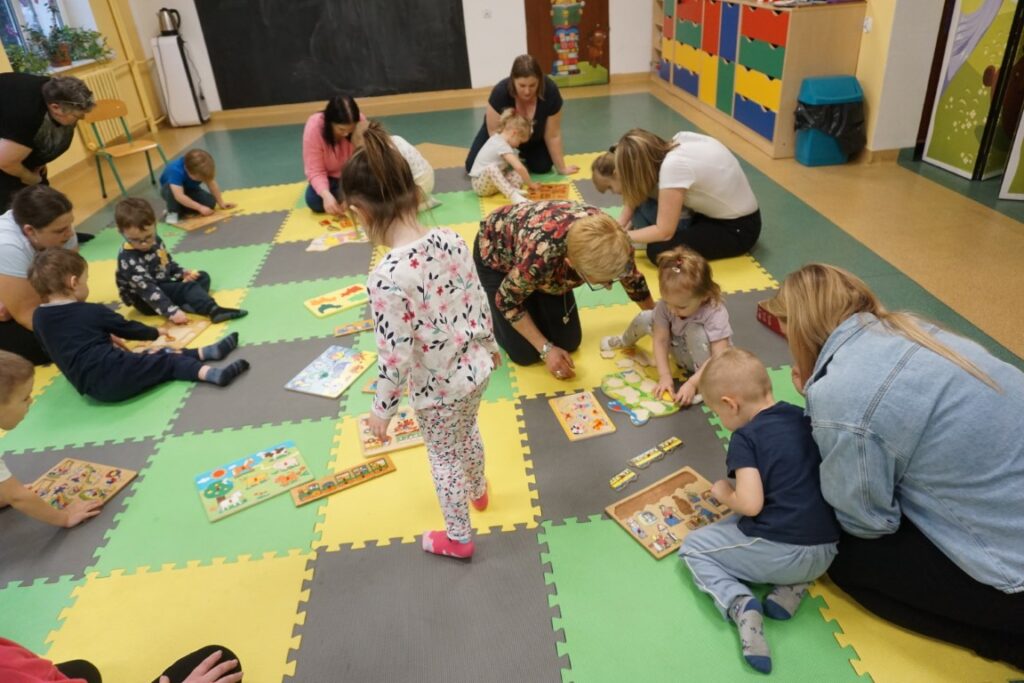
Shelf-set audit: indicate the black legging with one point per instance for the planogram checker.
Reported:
(20, 340)
(712, 238)
(555, 315)
(904, 578)
(177, 672)
(534, 152)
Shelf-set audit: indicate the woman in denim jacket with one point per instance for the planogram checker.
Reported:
(921, 435)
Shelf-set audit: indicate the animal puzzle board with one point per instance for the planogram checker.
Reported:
(73, 480)
(178, 337)
(634, 392)
(338, 301)
(581, 416)
(549, 191)
(403, 432)
(353, 328)
(332, 372)
(345, 479)
(660, 516)
(196, 222)
(250, 480)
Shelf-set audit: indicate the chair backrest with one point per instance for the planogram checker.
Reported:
(105, 110)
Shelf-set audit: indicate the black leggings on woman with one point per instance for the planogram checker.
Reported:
(712, 238)
(177, 672)
(20, 340)
(905, 579)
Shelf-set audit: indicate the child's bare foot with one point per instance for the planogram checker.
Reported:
(438, 543)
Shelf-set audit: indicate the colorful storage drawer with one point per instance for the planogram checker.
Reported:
(668, 8)
(711, 26)
(689, 10)
(687, 58)
(754, 116)
(688, 33)
(708, 90)
(764, 24)
(668, 28)
(686, 80)
(758, 87)
(758, 55)
(665, 70)
(726, 74)
(730, 33)
(668, 49)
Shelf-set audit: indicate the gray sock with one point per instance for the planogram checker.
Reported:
(783, 601)
(745, 611)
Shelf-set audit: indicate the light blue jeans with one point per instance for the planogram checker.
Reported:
(723, 560)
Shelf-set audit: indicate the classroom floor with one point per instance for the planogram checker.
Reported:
(340, 590)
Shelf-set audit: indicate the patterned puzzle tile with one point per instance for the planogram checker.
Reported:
(639, 619)
(164, 522)
(32, 611)
(230, 268)
(890, 654)
(266, 198)
(403, 504)
(152, 618)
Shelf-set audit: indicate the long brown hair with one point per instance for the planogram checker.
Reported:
(638, 157)
(377, 179)
(814, 300)
(526, 66)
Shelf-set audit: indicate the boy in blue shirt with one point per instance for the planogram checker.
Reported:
(783, 532)
(181, 186)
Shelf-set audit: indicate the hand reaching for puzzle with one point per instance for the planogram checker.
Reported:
(559, 363)
(722, 490)
(209, 671)
(379, 427)
(687, 391)
(80, 511)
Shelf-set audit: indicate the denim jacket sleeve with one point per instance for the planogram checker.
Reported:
(858, 479)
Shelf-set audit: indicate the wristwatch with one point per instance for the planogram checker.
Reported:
(545, 350)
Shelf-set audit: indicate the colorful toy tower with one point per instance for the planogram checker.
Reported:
(565, 17)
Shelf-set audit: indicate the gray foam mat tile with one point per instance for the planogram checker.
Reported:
(258, 396)
(236, 231)
(290, 262)
(451, 180)
(572, 476)
(446, 620)
(749, 334)
(591, 196)
(32, 549)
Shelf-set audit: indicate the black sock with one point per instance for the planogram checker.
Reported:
(220, 314)
(221, 349)
(226, 375)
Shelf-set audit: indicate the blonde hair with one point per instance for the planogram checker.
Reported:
(602, 170)
(199, 163)
(638, 157)
(683, 269)
(737, 373)
(814, 300)
(14, 371)
(599, 249)
(512, 121)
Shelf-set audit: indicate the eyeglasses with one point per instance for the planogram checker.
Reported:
(140, 241)
(597, 287)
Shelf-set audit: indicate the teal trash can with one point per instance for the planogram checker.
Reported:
(829, 120)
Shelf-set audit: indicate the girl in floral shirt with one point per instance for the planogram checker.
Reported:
(433, 333)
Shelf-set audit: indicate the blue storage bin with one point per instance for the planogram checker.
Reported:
(815, 147)
(685, 79)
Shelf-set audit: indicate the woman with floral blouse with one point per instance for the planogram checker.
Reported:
(531, 256)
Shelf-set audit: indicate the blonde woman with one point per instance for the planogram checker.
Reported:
(687, 191)
(531, 256)
(922, 447)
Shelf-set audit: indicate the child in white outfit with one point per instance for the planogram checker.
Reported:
(422, 171)
(497, 167)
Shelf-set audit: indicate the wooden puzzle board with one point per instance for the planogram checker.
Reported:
(581, 416)
(180, 336)
(338, 301)
(354, 235)
(339, 481)
(332, 372)
(73, 480)
(660, 516)
(403, 432)
(549, 191)
(634, 390)
(250, 480)
(352, 328)
(197, 222)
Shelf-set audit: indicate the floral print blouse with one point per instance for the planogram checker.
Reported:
(432, 323)
(527, 242)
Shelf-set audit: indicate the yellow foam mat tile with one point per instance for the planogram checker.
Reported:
(132, 626)
(267, 198)
(229, 298)
(890, 654)
(467, 231)
(535, 380)
(738, 274)
(301, 225)
(403, 505)
(443, 156)
(102, 286)
(584, 161)
(495, 201)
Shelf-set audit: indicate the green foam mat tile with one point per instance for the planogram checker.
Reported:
(629, 617)
(230, 268)
(103, 246)
(62, 417)
(593, 298)
(456, 207)
(32, 611)
(164, 521)
(277, 313)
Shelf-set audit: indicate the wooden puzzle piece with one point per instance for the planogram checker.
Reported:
(403, 432)
(250, 480)
(352, 328)
(345, 479)
(581, 416)
(178, 337)
(338, 301)
(196, 222)
(73, 480)
(332, 372)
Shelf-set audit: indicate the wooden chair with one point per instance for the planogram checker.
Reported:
(106, 110)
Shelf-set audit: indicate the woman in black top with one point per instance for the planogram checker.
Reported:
(535, 97)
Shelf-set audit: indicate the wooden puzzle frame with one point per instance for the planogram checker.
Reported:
(404, 431)
(339, 481)
(581, 416)
(63, 483)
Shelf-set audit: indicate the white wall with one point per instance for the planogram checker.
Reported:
(630, 35)
(495, 35)
(78, 13)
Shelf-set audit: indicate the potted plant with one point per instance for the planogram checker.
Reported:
(26, 61)
(65, 44)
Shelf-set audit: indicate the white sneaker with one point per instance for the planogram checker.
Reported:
(611, 343)
(170, 217)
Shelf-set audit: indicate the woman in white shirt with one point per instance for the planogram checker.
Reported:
(688, 191)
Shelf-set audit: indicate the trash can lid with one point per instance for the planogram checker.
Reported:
(830, 90)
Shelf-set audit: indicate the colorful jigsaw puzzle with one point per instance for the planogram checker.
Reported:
(403, 432)
(581, 416)
(247, 481)
(660, 516)
(633, 392)
(353, 328)
(332, 372)
(73, 480)
(345, 479)
(179, 337)
(548, 191)
(337, 301)
(341, 236)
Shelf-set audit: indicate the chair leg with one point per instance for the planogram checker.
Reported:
(117, 176)
(162, 155)
(149, 164)
(99, 172)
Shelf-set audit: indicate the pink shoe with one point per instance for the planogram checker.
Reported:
(437, 542)
(481, 502)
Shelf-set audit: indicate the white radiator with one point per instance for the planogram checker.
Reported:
(103, 83)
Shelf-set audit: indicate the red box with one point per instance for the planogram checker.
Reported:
(712, 26)
(769, 320)
(765, 24)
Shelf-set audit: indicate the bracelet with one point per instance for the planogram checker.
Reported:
(545, 350)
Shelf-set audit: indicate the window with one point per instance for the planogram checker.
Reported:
(17, 15)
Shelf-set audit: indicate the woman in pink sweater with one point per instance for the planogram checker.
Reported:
(326, 147)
